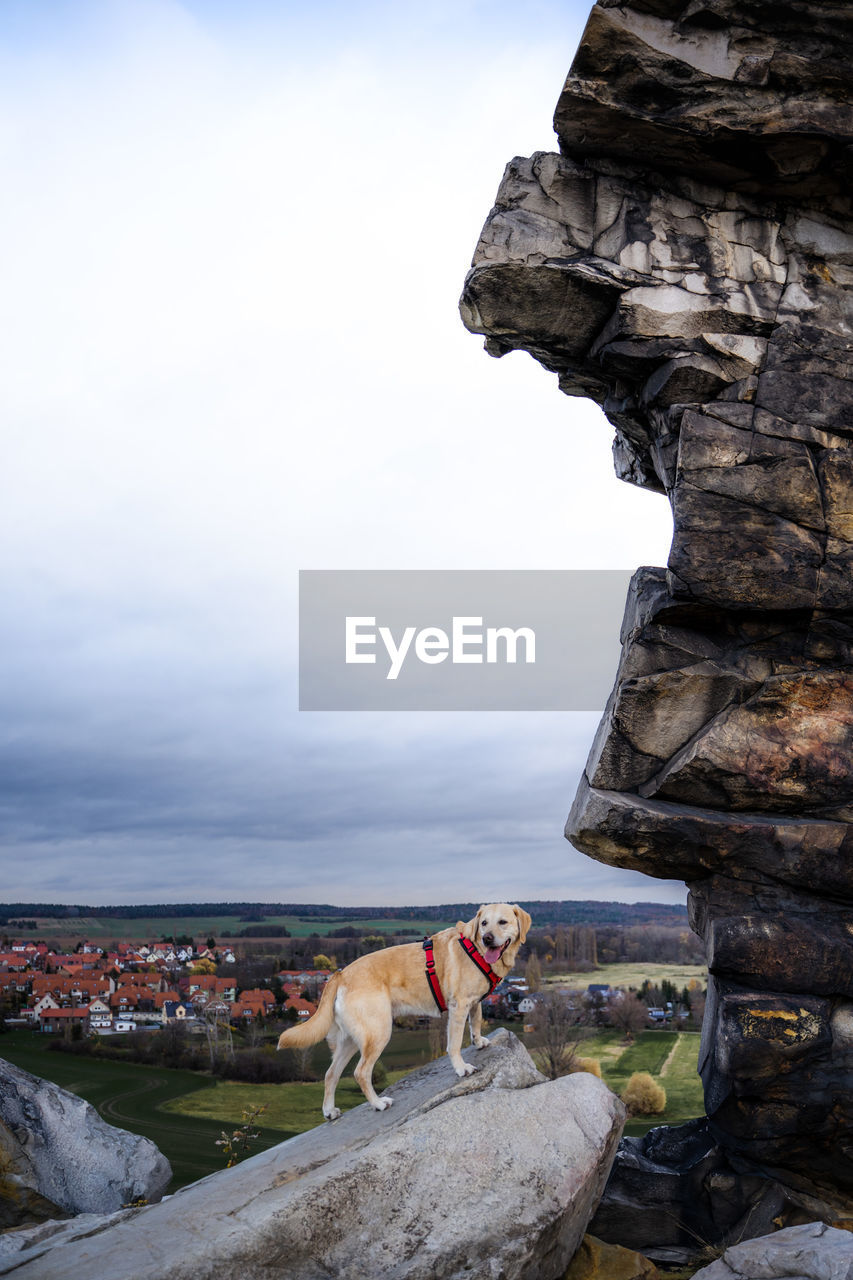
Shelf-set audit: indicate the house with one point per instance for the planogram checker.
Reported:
(100, 1017)
(45, 1002)
(600, 991)
(304, 1008)
(262, 996)
(58, 1019)
(527, 1004)
(176, 1011)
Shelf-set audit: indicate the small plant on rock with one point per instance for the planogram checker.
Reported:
(236, 1144)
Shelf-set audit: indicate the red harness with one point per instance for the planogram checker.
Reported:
(473, 954)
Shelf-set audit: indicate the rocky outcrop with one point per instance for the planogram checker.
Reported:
(687, 261)
(812, 1251)
(58, 1156)
(495, 1175)
(674, 1192)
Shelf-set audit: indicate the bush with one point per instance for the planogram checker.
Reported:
(643, 1096)
(591, 1065)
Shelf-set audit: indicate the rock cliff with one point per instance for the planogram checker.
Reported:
(686, 261)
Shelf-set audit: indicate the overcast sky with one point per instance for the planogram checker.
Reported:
(235, 238)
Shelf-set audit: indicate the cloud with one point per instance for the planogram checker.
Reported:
(232, 351)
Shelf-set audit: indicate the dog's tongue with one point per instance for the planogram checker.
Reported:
(493, 954)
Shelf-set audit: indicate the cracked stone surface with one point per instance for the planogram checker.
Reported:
(686, 261)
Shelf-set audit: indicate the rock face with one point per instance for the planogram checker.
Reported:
(687, 261)
(58, 1156)
(809, 1252)
(489, 1178)
(674, 1191)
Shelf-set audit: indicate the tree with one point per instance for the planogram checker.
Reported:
(643, 1096)
(628, 1013)
(558, 1029)
(323, 962)
(203, 966)
(533, 973)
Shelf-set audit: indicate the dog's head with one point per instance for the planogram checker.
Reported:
(498, 930)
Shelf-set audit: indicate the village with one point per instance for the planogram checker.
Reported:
(140, 987)
(93, 991)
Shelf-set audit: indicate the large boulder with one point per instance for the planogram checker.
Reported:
(492, 1176)
(813, 1251)
(58, 1156)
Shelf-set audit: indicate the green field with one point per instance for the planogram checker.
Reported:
(676, 1054)
(132, 1097)
(299, 1105)
(106, 929)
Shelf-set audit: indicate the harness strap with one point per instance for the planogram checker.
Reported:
(432, 977)
(481, 962)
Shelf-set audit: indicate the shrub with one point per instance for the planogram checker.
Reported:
(591, 1065)
(643, 1096)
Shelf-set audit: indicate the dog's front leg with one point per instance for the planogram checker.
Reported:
(457, 1013)
(475, 1022)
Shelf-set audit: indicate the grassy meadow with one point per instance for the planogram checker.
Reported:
(633, 975)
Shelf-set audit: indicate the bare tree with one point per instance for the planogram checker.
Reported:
(533, 973)
(559, 1029)
(628, 1013)
(217, 1026)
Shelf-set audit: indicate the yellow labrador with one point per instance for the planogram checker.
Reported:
(359, 1002)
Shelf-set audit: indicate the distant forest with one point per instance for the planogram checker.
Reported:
(545, 914)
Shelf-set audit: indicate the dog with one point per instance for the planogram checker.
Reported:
(360, 1002)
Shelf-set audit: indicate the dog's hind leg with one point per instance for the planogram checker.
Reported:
(343, 1047)
(374, 1035)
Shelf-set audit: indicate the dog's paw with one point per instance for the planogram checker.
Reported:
(481, 1043)
(382, 1104)
(467, 1069)
(334, 1114)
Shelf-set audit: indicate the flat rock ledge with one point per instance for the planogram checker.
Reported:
(57, 1156)
(493, 1177)
(813, 1251)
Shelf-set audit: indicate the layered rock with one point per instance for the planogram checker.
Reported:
(687, 261)
(495, 1175)
(57, 1156)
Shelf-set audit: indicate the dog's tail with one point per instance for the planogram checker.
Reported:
(317, 1026)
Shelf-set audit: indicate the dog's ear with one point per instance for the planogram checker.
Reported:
(469, 930)
(524, 922)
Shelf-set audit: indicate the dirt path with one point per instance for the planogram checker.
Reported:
(669, 1057)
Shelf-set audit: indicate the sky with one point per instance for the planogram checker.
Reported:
(235, 235)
